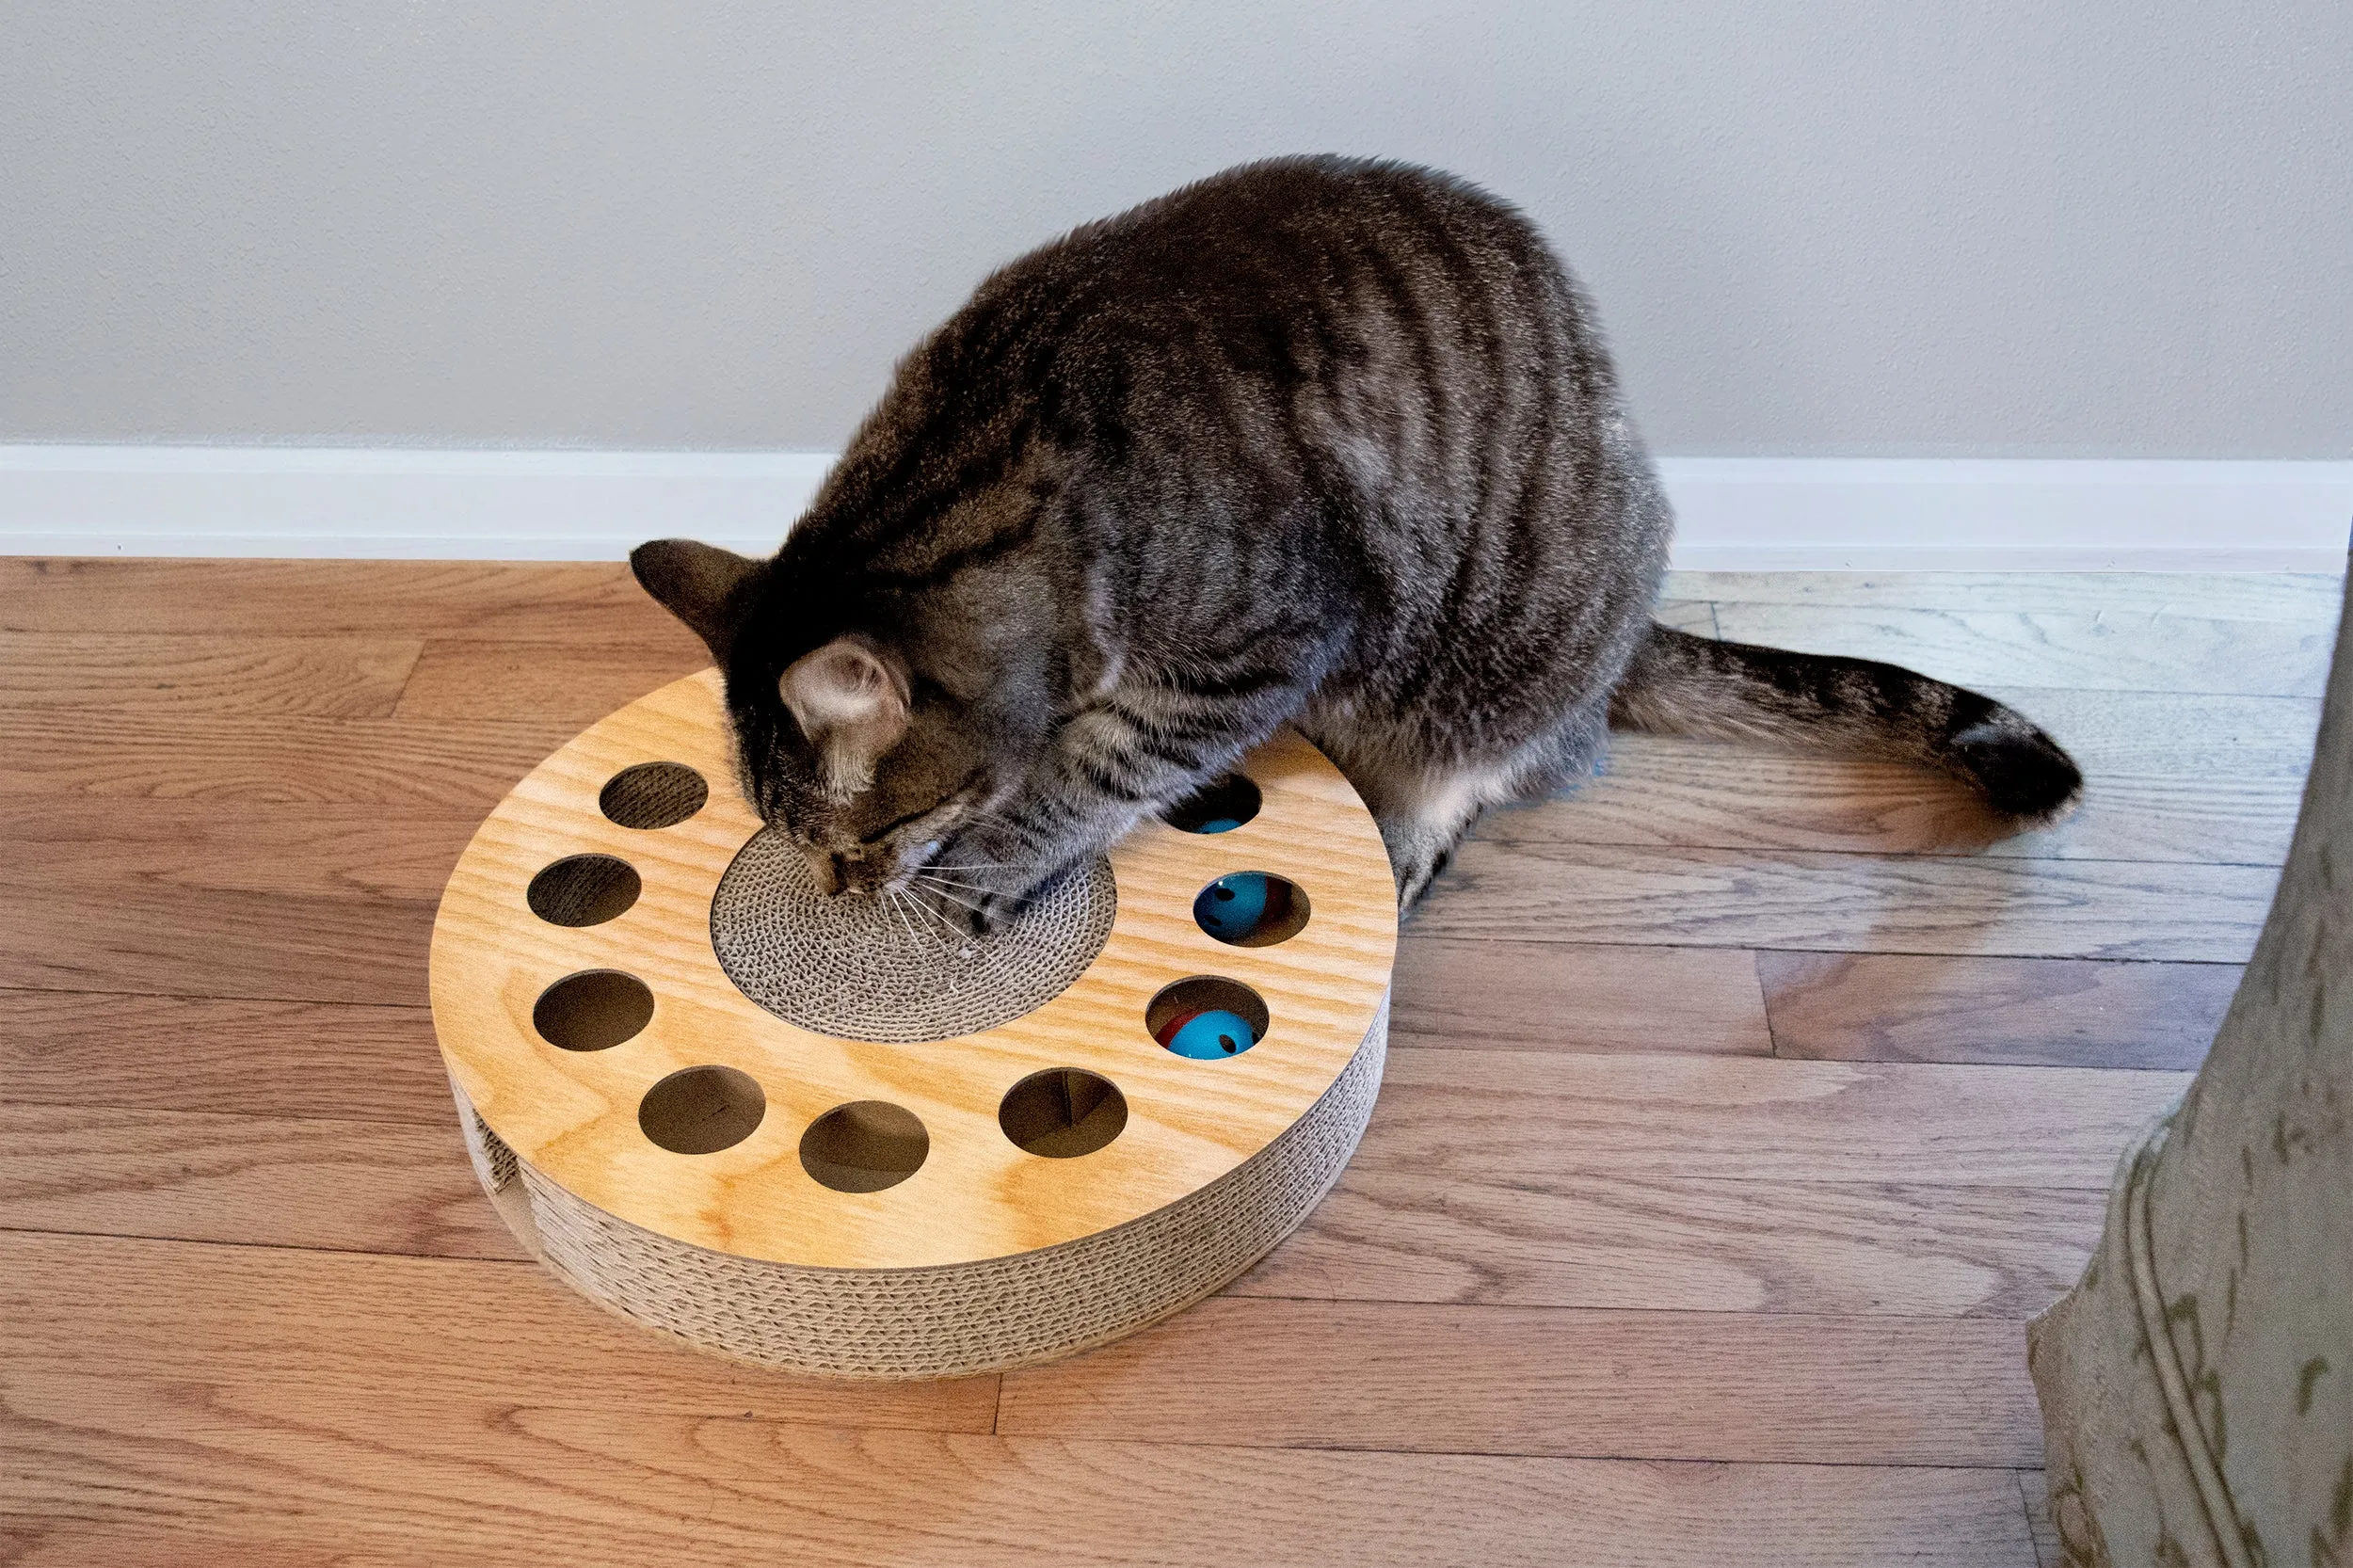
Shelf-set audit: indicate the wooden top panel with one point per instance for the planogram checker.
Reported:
(574, 1114)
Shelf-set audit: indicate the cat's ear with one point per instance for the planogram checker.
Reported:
(696, 582)
(850, 698)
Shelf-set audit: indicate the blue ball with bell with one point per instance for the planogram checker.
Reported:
(1234, 907)
(1206, 1037)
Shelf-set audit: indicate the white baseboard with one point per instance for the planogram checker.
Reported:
(1733, 513)
(1975, 514)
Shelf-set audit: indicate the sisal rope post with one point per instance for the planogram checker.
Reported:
(2197, 1385)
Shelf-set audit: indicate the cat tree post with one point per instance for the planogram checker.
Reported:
(2197, 1385)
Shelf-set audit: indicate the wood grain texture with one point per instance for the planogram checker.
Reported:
(1574, 1240)
(130, 1472)
(254, 763)
(2034, 1492)
(271, 1179)
(1531, 1380)
(1889, 1007)
(1701, 795)
(541, 601)
(1592, 1215)
(168, 941)
(377, 1064)
(2213, 779)
(1559, 996)
(2154, 650)
(2307, 599)
(119, 672)
(975, 1194)
(1627, 894)
(77, 844)
(1513, 1116)
(464, 678)
(1696, 616)
(356, 1329)
(1686, 1245)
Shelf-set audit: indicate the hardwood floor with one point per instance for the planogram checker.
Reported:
(1741, 1109)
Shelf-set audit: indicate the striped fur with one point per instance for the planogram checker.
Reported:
(1317, 441)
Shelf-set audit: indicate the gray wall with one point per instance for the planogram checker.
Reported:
(2015, 227)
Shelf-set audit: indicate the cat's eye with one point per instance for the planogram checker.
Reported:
(881, 833)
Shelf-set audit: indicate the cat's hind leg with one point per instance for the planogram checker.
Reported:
(1421, 836)
(1424, 809)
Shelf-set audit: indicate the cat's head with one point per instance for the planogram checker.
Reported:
(871, 727)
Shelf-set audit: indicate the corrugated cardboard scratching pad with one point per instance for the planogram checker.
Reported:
(843, 1135)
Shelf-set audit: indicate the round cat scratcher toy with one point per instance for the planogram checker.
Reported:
(843, 1134)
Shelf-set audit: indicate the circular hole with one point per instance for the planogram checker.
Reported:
(1063, 1113)
(1251, 909)
(703, 1109)
(1207, 1017)
(1221, 807)
(864, 1147)
(653, 794)
(583, 889)
(594, 1010)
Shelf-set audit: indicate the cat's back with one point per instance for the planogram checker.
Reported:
(1286, 237)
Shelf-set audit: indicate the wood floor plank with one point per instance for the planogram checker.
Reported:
(1511, 1116)
(1643, 896)
(1881, 1007)
(544, 601)
(124, 672)
(362, 1328)
(253, 1309)
(166, 941)
(377, 1064)
(424, 765)
(2174, 734)
(2202, 778)
(1686, 1245)
(2150, 650)
(465, 678)
(200, 847)
(247, 1477)
(1696, 616)
(1675, 794)
(1558, 995)
(271, 1180)
(2299, 599)
(1708, 1385)
(1580, 1241)
(2035, 1492)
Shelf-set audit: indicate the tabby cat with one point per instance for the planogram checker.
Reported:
(1315, 441)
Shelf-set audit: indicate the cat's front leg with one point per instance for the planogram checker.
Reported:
(988, 872)
(1106, 771)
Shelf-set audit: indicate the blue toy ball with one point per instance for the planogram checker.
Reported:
(1207, 1036)
(1218, 824)
(1232, 907)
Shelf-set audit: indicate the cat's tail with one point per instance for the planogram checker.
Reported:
(1679, 685)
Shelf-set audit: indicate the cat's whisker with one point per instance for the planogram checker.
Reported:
(960, 938)
(954, 889)
(898, 914)
(951, 895)
(953, 882)
(955, 938)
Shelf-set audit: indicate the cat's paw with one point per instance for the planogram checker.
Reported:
(993, 912)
